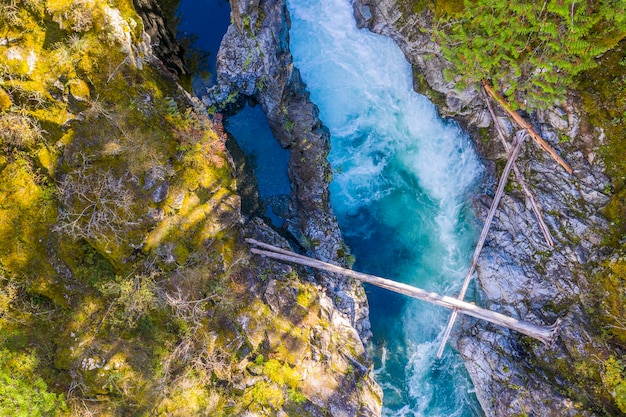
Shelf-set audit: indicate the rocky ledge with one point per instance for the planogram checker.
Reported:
(518, 274)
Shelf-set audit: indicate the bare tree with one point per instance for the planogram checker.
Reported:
(96, 204)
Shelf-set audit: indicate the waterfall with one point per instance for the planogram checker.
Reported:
(402, 178)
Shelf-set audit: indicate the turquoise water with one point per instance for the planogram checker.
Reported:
(402, 178)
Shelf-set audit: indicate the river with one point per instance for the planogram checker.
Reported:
(401, 188)
(402, 182)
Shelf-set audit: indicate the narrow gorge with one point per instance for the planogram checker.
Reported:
(401, 190)
(133, 173)
(516, 274)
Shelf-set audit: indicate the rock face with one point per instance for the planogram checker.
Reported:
(324, 348)
(254, 62)
(518, 274)
(165, 46)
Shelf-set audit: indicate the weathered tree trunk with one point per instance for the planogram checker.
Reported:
(520, 179)
(525, 125)
(546, 334)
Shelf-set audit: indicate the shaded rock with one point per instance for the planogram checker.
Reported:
(164, 43)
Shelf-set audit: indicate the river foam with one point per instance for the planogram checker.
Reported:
(402, 178)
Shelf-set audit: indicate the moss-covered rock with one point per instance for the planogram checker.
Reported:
(5, 100)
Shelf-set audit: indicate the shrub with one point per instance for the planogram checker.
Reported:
(19, 130)
(134, 296)
(97, 204)
(614, 381)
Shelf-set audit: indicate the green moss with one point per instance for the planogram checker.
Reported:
(424, 88)
(306, 297)
(5, 100)
(78, 89)
(603, 95)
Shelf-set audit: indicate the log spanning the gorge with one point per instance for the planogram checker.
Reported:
(545, 334)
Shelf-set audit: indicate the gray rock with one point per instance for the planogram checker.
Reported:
(161, 192)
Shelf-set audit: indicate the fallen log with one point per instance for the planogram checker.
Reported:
(545, 334)
(520, 179)
(525, 125)
(482, 238)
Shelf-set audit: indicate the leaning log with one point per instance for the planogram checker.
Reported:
(520, 179)
(525, 125)
(483, 236)
(545, 334)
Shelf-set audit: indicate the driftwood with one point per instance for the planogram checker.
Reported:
(520, 179)
(483, 237)
(545, 334)
(525, 125)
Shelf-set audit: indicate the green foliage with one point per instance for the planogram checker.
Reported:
(22, 392)
(614, 378)
(133, 296)
(530, 50)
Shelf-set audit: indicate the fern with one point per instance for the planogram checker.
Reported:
(532, 49)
